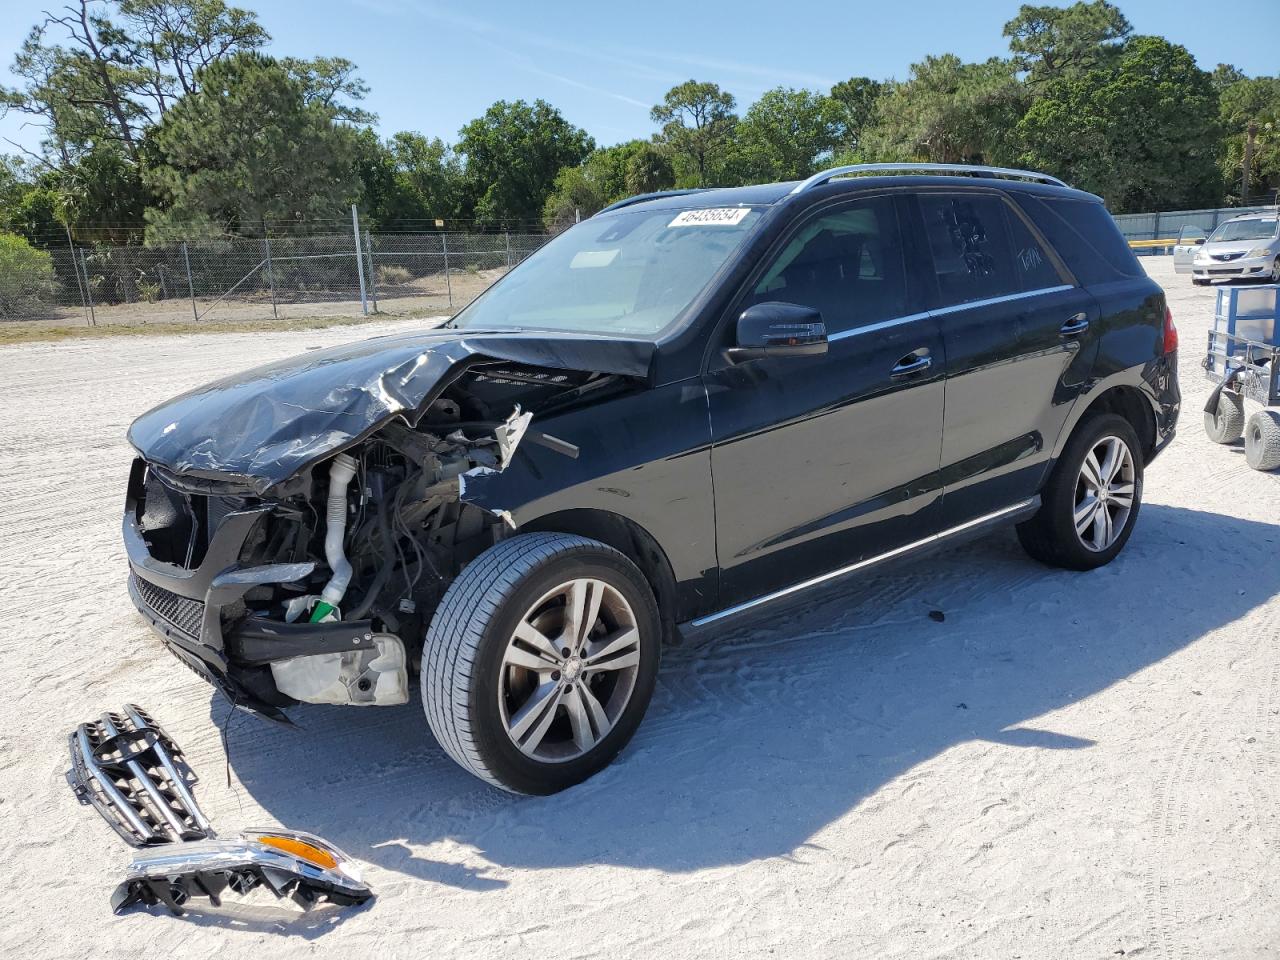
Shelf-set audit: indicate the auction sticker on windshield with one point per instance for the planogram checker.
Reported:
(711, 217)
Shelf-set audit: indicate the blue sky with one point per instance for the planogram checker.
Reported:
(433, 66)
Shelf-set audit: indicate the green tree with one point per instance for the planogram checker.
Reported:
(26, 277)
(1255, 102)
(31, 205)
(247, 147)
(948, 111)
(697, 128)
(172, 40)
(82, 89)
(1048, 42)
(434, 175)
(608, 175)
(784, 135)
(513, 154)
(1225, 75)
(332, 83)
(1142, 133)
(648, 169)
(858, 98)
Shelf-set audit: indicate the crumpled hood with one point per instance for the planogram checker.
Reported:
(262, 426)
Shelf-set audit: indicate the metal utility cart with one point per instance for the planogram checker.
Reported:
(1243, 359)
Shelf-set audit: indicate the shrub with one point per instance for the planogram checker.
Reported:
(392, 275)
(26, 277)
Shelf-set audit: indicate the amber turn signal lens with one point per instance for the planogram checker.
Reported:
(305, 851)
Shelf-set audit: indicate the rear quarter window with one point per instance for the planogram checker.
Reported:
(1085, 236)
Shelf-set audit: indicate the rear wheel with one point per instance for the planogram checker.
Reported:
(540, 662)
(1090, 504)
(1226, 423)
(1262, 440)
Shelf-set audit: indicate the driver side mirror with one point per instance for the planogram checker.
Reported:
(1198, 241)
(778, 330)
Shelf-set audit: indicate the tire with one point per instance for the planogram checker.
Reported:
(1275, 271)
(1262, 440)
(1051, 535)
(1226, 424)
(473, 688)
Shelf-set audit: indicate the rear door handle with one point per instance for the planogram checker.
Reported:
(916, 362)
(1075, 325)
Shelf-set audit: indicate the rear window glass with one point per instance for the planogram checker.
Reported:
(972, 251)
(1085, 236)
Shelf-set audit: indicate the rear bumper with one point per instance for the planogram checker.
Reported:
(200, 616)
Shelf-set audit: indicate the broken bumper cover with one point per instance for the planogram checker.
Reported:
(296, 865)
(189, 609)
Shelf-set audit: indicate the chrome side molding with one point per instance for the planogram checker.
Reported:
(1024, 506)
(954, 169)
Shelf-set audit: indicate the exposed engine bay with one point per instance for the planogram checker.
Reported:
(339, 568)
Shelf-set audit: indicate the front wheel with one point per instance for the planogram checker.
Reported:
(540, 661)
(1090, 504)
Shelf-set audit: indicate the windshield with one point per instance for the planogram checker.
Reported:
(1255, 229)
(630, 273)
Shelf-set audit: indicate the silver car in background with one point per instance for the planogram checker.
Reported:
(1245, 247)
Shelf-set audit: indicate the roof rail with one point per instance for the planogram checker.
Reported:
(642, 197)
(949, 168)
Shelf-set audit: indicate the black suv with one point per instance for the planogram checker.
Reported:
(687, 406)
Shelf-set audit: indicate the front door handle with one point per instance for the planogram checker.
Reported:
(912, 363)
(1075, 325)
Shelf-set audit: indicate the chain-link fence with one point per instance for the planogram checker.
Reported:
(286, 277)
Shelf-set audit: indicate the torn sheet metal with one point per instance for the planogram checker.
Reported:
(509, 435)
(262, 427)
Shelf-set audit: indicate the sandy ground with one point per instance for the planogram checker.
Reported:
(1070, 766)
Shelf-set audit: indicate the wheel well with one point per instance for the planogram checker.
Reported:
(1129, 403)
(632, 540)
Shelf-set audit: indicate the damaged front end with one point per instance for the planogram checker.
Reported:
(318, 587)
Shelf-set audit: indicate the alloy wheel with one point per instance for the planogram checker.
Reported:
(569, 670)
(1105, 490)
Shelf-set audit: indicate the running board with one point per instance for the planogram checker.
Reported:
(970, 528)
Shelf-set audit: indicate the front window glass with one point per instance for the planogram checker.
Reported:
(1255, 229)
(847, 265)
(631, 273)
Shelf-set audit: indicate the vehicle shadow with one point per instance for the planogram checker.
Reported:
(760, 736)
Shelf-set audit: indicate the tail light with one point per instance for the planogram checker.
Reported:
(1170, 332)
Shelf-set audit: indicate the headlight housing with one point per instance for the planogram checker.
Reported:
(1259, 252)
